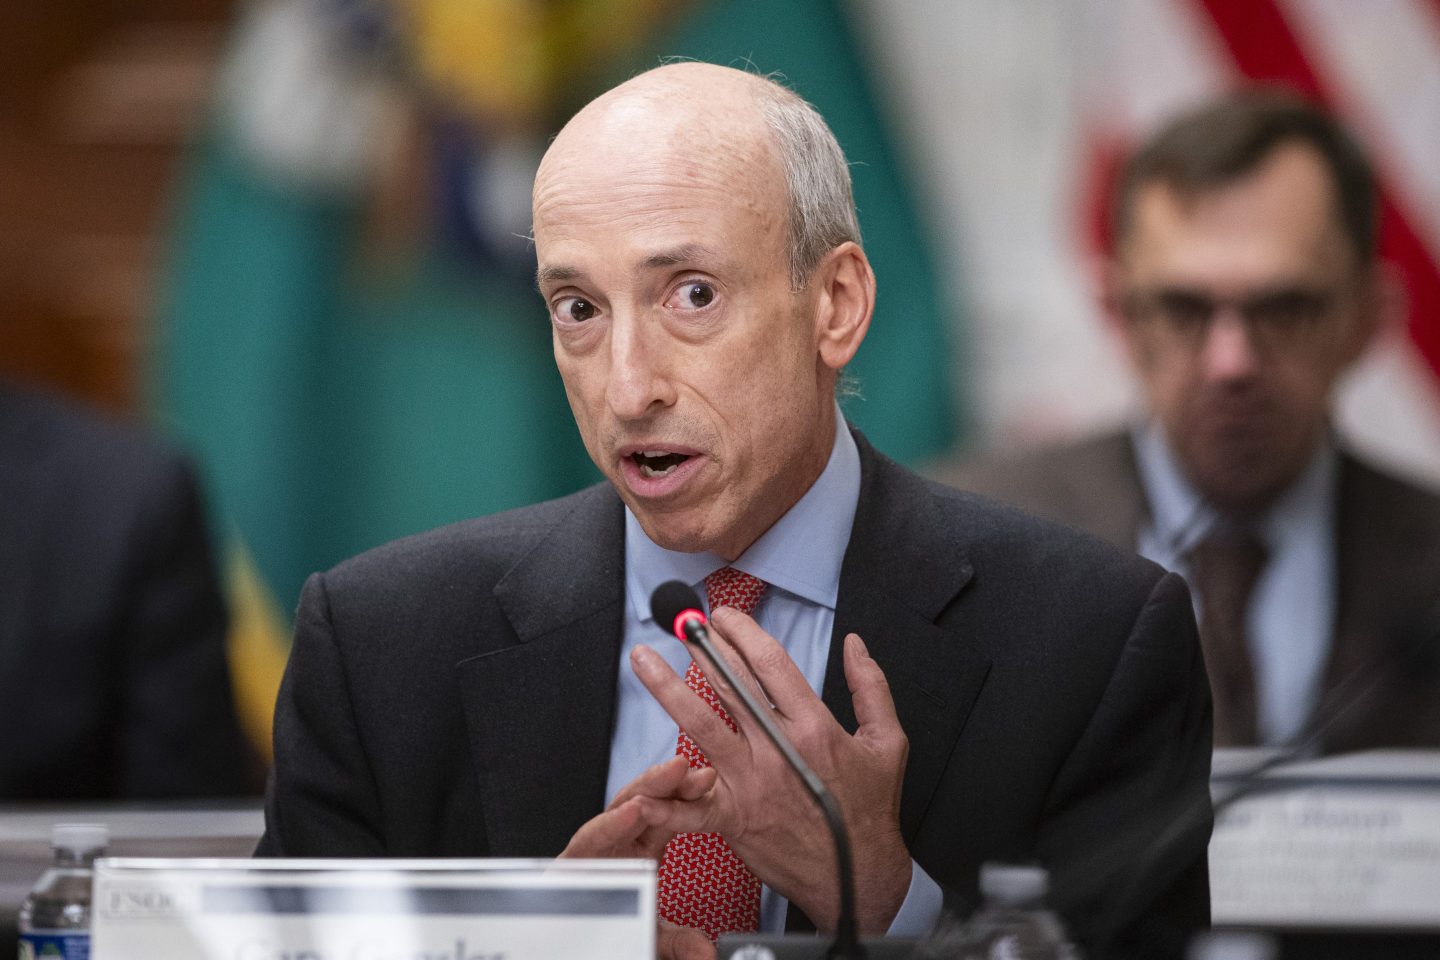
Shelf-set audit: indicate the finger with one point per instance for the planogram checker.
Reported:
(728, 698)
(662, 780)
(870, 694)
(603, 835)
(682, 943)
(782, 681)
(636, 828)
(705, 814)
(698, 782)
(691, 784)
(694, 715)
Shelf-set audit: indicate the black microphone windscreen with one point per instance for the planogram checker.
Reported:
(668, 600)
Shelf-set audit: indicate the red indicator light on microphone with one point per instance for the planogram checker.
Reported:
(684, 617)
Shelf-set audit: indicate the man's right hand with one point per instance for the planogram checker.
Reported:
(630, 828)
(682, 943)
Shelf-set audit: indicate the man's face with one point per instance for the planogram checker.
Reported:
(1241, 306)
(690, 365)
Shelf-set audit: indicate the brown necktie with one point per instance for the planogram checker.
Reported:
(702, 882)
(1224, 567)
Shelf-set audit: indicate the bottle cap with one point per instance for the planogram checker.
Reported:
(80, 837)
(1232, 945)
(1010, 883)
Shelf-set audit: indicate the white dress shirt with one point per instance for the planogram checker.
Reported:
(1291, 616)
(799, 557)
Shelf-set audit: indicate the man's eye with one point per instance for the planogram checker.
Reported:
(1184, 312)
(693, 296)
(574, 310)
(1287, 312)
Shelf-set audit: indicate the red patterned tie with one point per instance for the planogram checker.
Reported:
(703, 883)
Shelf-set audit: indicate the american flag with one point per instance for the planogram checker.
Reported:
(1018, 113)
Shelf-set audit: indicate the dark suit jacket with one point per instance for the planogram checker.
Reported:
(112, 659)
(1382, 682)
(453, 694)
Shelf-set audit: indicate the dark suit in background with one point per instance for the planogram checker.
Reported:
(1385, 659)
(112, 629)
(452, 694)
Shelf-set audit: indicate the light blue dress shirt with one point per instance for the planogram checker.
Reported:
(799, 557)
(1290, 621)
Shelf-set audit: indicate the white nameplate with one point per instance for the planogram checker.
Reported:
(373, 910)
(1349, 842)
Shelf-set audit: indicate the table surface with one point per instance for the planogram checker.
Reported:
(232, 829)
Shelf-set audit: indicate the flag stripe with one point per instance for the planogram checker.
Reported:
(1260, 40)
(1265, 48)
(1383, 74)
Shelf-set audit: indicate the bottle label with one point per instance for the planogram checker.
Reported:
(55, 945)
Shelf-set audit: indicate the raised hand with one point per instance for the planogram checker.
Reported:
(759, 805)
(635, 825)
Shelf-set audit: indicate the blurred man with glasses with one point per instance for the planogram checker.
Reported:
(1244, 282)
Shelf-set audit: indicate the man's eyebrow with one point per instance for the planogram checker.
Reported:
(688, 253)
(561, 274)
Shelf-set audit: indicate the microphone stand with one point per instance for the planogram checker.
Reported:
(847, 942)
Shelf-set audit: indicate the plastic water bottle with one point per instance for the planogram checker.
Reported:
(55, 918)
(1013, 924)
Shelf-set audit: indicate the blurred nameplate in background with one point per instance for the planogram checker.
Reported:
(373, 909)
(1344, 843)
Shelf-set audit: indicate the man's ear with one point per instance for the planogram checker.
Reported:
(844, 301)
(1111, 292)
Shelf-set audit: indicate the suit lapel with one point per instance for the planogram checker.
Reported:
(1114, 497)
(540, 704)
(1365, 663)
(904, 567)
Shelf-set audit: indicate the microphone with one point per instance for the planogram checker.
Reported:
(676, 607)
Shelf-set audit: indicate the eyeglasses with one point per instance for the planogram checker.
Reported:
(1274, 318)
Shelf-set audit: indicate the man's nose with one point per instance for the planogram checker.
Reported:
(1228, 352)
(638, 379)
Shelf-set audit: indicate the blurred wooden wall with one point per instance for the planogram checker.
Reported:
(97, 101)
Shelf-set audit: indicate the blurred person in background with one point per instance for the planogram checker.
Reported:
(1243, 283)
(112, 628)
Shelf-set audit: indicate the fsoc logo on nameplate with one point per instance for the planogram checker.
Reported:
(373, 909)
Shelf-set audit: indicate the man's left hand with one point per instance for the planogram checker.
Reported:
(760, 806)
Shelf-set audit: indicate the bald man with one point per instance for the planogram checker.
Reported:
(971, 683)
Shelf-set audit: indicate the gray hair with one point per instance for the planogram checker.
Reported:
(821, 209)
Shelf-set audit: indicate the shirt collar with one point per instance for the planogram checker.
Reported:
(801, 553)
(1312, 495)
(1180, 517)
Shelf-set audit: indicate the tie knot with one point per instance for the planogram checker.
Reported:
(728, 587)
(1230, 558)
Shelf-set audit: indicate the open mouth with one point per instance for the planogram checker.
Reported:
(657, 463)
